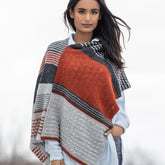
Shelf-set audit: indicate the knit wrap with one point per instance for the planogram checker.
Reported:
(75, 100)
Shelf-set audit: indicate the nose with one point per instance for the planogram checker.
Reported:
(87, 17)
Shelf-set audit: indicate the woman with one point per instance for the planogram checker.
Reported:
(78, 109)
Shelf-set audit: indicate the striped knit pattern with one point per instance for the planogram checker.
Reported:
(42, 94)
(121, 77)
(96, 46)
(75, 101)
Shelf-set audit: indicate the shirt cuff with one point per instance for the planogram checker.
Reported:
(54, 150)
(123, 124)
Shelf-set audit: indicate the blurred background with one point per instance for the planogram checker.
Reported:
(27, 27)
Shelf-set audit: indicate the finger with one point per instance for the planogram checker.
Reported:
(108, 132)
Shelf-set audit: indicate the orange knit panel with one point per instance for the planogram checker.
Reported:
(88, 79)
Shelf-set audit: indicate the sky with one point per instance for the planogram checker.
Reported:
(27, 28)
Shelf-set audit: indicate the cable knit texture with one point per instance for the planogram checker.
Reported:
(75, 101)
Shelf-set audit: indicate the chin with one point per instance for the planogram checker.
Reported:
(87, 30)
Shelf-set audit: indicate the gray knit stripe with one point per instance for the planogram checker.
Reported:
(58, 46)
(42, 97)
(41, 102)
(82, 104)
(44, 88)
(81, 135)
(39, 111)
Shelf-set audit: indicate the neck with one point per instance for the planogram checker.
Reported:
(80, 37)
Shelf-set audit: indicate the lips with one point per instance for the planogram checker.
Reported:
(87, 25)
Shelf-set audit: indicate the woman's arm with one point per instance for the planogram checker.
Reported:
(53, 148)
(120, 120)
(121, 117)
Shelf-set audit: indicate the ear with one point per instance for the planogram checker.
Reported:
(71, 14)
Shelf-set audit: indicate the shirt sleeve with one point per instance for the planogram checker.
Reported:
(53, 148)
(121, 117)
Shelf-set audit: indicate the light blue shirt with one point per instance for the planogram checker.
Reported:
(109, 155)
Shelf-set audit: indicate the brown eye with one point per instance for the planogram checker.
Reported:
(94, 12)
(81, 12)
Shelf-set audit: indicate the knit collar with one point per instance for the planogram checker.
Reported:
(95, 44)
(71, 41)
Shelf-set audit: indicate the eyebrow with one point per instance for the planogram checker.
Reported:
(85, 9)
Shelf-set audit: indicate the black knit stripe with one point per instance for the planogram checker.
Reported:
(96, 46)
(116, 71)
(103, 61)
(124, 82)
(78, 101)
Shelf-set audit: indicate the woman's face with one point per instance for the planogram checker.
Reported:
(86, 15)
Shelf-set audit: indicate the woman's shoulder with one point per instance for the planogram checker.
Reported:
(58, 46)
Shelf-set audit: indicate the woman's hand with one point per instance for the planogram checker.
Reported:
(115, 131)
(57, 162)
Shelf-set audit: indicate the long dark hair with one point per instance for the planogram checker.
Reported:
(107, 30)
